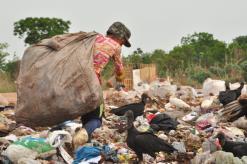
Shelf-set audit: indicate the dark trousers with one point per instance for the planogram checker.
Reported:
(91, 121)
(92, 124)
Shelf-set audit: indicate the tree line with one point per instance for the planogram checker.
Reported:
(198, 56)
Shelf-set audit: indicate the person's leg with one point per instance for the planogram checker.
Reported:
(92, 121)
(91, 125)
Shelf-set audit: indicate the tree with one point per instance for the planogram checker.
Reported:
(12, 67)
(36, 29)
(135, 58)
(138, 51)
(237, 50)
(241, 41)
(3, 54)
(207, 50)
(202, 37)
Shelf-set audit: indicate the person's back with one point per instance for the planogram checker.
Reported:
(106, 48)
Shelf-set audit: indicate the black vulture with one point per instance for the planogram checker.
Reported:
(238, 149)
(136, 108)
(225, 97)
(144, 142)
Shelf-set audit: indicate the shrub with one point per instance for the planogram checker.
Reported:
(243, 65)
(12, 69)
(6, 84)
(234, 72)
(200, 76)
(218, 71)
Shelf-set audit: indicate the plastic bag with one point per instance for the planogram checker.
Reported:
(59, 137)
(37, 144)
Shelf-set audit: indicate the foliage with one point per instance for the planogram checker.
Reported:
(217, 71)
(135, 58)
(6, 83)
(197, 73)
(12, 68)
(200, 76)
(8, 70)
(205, 49)
(241, 41)
(237, 50)
(243, 65)
(36, 29)
(199, 56)
(3, 54)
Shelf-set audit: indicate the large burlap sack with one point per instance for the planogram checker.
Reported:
(57, 81)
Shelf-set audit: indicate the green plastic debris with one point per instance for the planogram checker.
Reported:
(37, 144)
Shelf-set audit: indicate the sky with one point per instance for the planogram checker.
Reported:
(156, 24)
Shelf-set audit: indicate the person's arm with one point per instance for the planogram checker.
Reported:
(119, 69)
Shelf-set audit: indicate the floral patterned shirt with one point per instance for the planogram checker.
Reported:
(105, 49)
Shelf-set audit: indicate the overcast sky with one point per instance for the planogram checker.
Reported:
(153, 23)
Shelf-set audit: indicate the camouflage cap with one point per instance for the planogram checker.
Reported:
(119, 30)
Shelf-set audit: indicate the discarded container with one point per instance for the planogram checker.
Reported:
(179, 103)
(162, 91)
(213, 87)
(207, 103)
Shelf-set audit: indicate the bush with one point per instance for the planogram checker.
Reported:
(234, 72)
(6, 84)
(162, 73)
(243, 65)
(12, 69)
(200, 76)
(218, 71)
(197, 74)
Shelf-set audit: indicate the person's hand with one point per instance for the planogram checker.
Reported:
(109, 84)
(120, 78)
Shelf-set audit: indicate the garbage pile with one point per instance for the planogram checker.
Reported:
(193, 121)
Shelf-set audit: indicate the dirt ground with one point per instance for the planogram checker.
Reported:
(11, 97)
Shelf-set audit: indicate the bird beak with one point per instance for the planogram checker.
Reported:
(217, 143)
